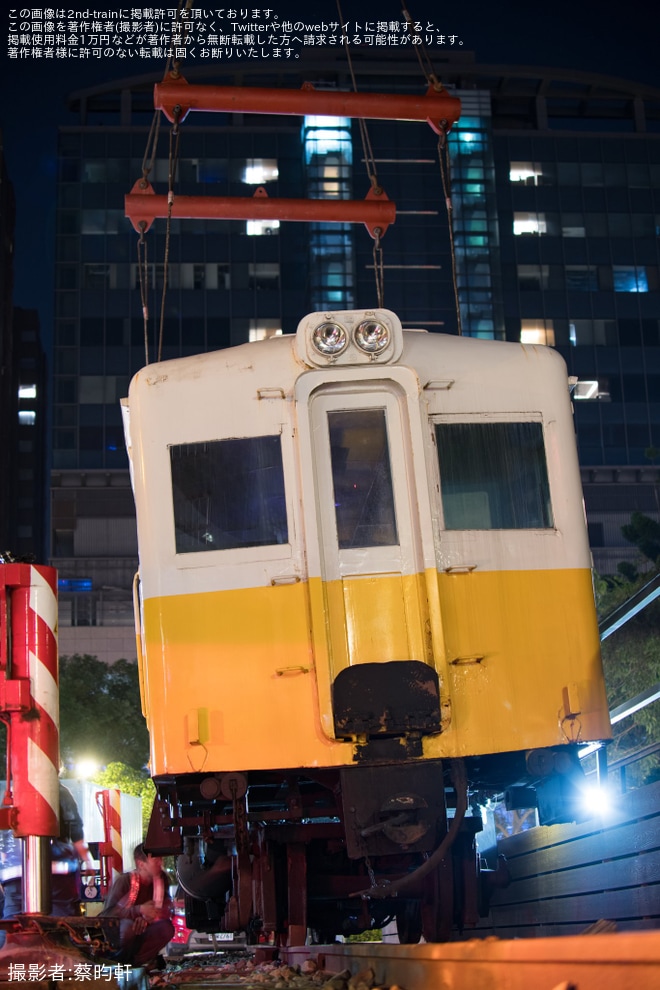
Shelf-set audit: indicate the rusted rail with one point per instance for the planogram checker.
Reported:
(582, 962)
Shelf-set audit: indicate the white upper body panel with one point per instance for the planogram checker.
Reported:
(266, 389)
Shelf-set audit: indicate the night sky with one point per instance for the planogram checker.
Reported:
(601, 37)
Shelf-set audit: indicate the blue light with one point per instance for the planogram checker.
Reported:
(74, 584)
(327, 135)
(630, 280)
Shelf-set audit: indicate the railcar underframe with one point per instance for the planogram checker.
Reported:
(340, 851)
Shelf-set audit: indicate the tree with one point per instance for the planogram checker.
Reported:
(644, 533)
(100, 714)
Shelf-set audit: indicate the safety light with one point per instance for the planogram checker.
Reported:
(372, 336)
(597, 801)
(329, 339)
(85, 768)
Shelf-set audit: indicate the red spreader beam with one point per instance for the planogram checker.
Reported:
(143, 206)
(176, 98)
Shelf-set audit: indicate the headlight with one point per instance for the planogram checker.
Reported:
(330, 338)
(371, 336)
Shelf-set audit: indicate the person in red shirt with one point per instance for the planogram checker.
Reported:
(141, 899)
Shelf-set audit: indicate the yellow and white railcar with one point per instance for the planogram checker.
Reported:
(300, 513)
(364, 546)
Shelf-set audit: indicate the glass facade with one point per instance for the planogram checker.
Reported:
(590, 268)
(328, 147)
(225, 280)
(474, 216)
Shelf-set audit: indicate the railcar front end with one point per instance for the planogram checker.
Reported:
(364, 586)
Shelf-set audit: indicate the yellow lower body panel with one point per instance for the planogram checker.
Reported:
(230, 682)
(242, 679)
(522, 661)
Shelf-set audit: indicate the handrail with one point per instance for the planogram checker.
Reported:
(648, 593)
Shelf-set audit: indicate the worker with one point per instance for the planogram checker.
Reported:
(67, 853)
(141, 899)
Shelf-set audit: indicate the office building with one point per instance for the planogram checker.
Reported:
(23, 405)
(30, 387)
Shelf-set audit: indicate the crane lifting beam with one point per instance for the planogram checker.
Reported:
(176, 98)
(142, 206)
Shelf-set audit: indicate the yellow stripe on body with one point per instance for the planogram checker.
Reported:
(231, 682)
(519, 645)
(247, 683)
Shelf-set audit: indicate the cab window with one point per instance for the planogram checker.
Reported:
(228, 494)
(493, 476)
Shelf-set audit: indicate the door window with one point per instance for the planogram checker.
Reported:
(362, 479)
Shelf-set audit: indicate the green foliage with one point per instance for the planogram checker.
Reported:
(644, 533)
(631, 662)
(627, 570)
(373, 935)
(100, 715)
(613, 590)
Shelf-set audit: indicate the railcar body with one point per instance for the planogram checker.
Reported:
(363, 558)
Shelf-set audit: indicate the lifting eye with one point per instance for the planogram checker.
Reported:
(371, 336)
(330, 339)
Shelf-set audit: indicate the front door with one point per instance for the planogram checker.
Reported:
(376, 610)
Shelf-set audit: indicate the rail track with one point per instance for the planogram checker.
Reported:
(625, 961)
(619, 961)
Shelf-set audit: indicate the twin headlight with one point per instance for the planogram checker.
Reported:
(349, 337)
(371, 336)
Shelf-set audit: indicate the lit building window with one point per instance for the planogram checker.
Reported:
(537, 332)
(27, 417)
(257, 228)
(27, 391)
(264, 329)
(529, 223)
(529, 173)
(327, 135)
(473, 140)
(628, 278)
(260, 170)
